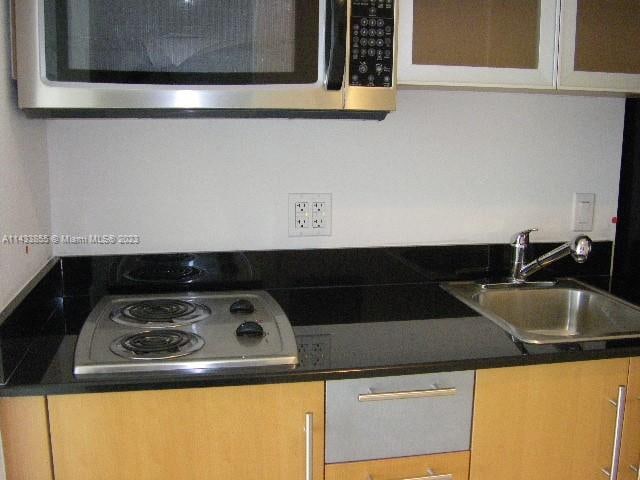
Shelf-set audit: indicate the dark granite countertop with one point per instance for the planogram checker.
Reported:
(380, 330)
(344, 330)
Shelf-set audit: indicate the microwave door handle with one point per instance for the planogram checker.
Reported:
(336, 48)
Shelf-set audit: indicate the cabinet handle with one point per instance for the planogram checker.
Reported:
(617, 436)
(12, 39)
(308, 462)
(433, 392)
(431, 475)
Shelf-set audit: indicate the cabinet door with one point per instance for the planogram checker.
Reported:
(449, 466)
(494, 43)
(248, 433)
(630, 455)
(555, 422)
(599, 45)
(25, 438)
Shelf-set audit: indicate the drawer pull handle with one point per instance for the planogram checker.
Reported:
(433, 392)
(308, 430)
(612, 473)
(431, 475)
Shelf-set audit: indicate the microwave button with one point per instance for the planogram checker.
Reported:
(371, 78)
(363, 42)
(372, 42)
(380, 43)
(380, 32)
(372, 32)
(388, 29)
(387, 42)
(354, 78)
(363, 68)
(364, 32)
(380, 22)
(372, 52)
(387, 54)
(373, 11)
(364, 22)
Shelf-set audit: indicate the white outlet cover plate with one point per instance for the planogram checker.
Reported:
(309, 230)
(583, 210)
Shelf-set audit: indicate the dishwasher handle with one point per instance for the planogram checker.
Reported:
(432, 392)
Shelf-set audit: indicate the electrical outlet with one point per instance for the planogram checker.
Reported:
(309, 214)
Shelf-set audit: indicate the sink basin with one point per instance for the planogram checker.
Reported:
(569, 311)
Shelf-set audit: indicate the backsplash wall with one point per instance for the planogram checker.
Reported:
(446, 168)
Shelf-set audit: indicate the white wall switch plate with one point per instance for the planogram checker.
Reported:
(583, 209)
(309, 214)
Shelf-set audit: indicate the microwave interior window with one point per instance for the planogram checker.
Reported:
(214, 42)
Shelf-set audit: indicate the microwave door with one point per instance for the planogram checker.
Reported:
(177, 54)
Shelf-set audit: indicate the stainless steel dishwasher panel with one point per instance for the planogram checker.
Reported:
(398, 416)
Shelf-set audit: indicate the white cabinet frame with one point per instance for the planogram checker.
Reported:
(569, 78)
(541, 78)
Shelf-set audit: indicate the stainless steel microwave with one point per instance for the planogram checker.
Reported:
(198, 56)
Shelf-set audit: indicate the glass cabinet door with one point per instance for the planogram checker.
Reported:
(600, 45)
(478, 42)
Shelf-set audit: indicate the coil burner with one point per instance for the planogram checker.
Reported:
(160, 313)
(157, 345)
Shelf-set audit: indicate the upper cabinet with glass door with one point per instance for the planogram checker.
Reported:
(478, 43)
(600, 45)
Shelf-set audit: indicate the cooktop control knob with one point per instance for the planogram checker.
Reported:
(242, 306)
(250, 329)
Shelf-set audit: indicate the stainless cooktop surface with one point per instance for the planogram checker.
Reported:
(197, 332)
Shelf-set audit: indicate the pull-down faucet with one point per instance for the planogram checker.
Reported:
(579, 248)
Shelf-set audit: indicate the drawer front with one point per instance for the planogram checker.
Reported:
(445, 466)
(389, 417)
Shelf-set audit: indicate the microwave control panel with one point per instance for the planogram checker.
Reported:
(372, 29)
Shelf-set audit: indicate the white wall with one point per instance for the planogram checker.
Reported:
(448, 167)
(24, 181)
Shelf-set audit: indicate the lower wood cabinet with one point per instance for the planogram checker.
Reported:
(25, 438)
(630, 454)
(555, 422)
(244, 433)
(446, 466)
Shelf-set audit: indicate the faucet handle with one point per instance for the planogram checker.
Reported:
(522, 238)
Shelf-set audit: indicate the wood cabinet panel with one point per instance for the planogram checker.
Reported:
(248, 433)
(456, 464)
(630, 452)
(25, 438)
(551, 420)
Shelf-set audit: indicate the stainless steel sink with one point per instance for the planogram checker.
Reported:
(569, 311)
